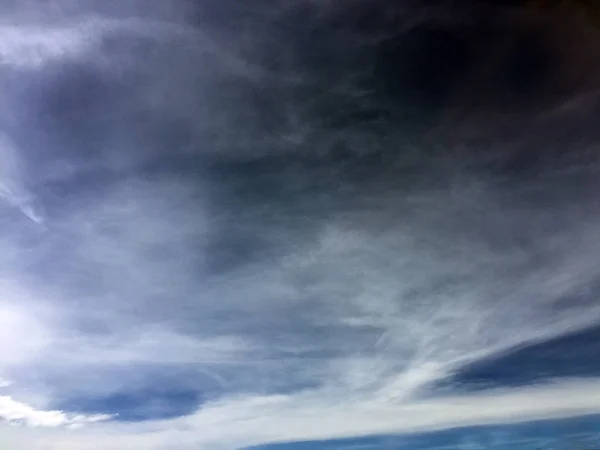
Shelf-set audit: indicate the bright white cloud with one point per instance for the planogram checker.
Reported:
(18, 413)
(22, 335)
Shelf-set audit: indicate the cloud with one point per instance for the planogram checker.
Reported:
(294, 297)
(236, 423)
(307, 418)
(29, 47)
(18, 413)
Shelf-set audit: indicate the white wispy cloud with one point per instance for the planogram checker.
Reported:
(30, 47)
(236, 423)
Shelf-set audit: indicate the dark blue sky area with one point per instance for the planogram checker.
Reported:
(573, 355)
(146, 403)
(163, 393)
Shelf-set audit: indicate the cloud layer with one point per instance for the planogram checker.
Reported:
(214, 240)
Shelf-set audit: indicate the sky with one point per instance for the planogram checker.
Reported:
(297, 225)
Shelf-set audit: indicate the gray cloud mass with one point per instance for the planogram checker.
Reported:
(226, 225)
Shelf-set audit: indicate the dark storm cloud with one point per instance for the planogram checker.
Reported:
(307, 83)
